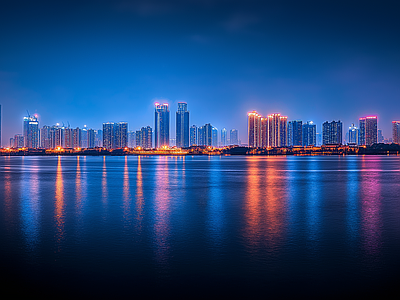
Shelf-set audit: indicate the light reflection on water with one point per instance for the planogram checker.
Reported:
(260, 215)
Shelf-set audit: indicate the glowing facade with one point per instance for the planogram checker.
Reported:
(161, 125)
(182, 126)
(309, 134)
(396, 132)
(368, 130)
(31, 132)
(254, 129)
(277, 130)
(332, 133)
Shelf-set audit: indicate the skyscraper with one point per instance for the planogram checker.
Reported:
(18, 141)
(31, 132)
(144, 137)
(91, 138)
(332, 133)
(121, 135)
(368, 130)
(99, 138)
(254, 129)
(353, 135)
(193, 135)
(68, 138)
(84, 137)
(108, 135)
(161, 125)
(76, 136)
(233, 137)
(131, 139)
(214, 141)
(205, 135)
(396, 132)
(277, 130)
(45, 137)
(182, 125)
(380, 136)
(295, 133)
(223, 137)
(309, 133)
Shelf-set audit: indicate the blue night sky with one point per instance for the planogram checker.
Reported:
(107, 61)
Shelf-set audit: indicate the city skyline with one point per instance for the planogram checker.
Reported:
(115, 60)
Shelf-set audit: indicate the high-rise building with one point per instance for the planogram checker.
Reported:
(380, 136)
(368, 130)
(99, 138)
(131, 139)
(84, 137)
(121, 135)
(182, 126)
(11, 142)
(76, 137)
(144, 137)
(295, 133)
(45, 138)
(193, 135)
(91, 138)
(68, 138)
(108, 135)
(277, 130)
(396, 132)
(31, 132)
(161, 125)
(309, 134)
(214, 141)
(223, 137)
(332, 133)
(234, 137)
(353, 134)
(19, 141)
(205, 135)
(254, 129)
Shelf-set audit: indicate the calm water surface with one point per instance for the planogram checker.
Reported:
(200, 225)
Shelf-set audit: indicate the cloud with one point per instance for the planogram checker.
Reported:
(240, 22)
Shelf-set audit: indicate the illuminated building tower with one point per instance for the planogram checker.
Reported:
(282, 131)
(31, 132)
(76, 138)
(45, 137)
(214, 141)
(233, 137)
(19, 141)
(277, 130)
(84, 137)
(161, 125)
(295, 133)
(11, 142)
(131, 139)
(368, 130)
(264, 132)
(99, 138)
(309, 133)
(91, 138)
(59, 137)
(205, 135)
(353, 135)
(332, 133)
(68, 138)
(108, 135)
(254, 129)
(223, 137)
(144, 137)
(193, 135)
(396, 132)
(182, 126)
(121, 135)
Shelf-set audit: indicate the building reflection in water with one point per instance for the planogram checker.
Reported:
(139, 195)
(265, 204)
(104, 191)
(78, 186)
(30, 206)
(126, 194)
(215, 204)
(162, 209)
(353, 189)
(8, 203)
(59, 205)
(371, 205)
(314, 185)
